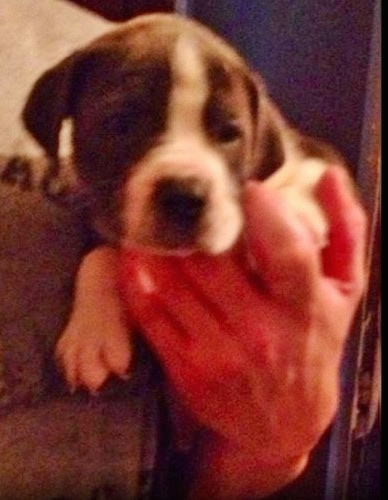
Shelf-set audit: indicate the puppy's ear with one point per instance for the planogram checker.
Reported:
(49, 104)
(271, 131)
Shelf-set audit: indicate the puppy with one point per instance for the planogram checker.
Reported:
(168, 123)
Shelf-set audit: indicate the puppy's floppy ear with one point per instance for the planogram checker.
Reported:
(271, 130)
(49, 104)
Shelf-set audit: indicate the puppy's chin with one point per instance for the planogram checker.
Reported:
(209, 245)
(182, 199)
(218, 234)
(159, 250)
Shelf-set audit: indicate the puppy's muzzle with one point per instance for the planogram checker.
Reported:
(181, 199)
(180, 204)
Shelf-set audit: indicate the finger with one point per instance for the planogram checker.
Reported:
(280, 244)
(196, 312)
(168, 321)
(214, 302)
(344, 257)
(161, 330)
(162, 279)
(210, 298)
(195, 365)
(226, 285)
(220, 279)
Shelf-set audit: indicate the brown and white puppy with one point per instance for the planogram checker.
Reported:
(168, 122)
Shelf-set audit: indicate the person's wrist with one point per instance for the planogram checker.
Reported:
(253, 456)
(250, 471)
(285, 469)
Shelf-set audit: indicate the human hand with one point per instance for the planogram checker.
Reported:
(255, 355)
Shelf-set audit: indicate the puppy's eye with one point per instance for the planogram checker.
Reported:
(229, 132)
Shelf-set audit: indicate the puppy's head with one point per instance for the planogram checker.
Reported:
(168, 123)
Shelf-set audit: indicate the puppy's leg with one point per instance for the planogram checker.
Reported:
(96, 341)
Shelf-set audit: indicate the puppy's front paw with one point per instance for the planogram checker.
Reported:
(90, 350)
(298, 183)
(306, 207)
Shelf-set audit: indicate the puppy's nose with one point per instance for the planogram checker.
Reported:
(181, 202)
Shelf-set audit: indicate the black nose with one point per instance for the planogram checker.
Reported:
(180, 202)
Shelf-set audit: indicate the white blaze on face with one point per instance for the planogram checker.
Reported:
(184, 152)
(189, 92)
